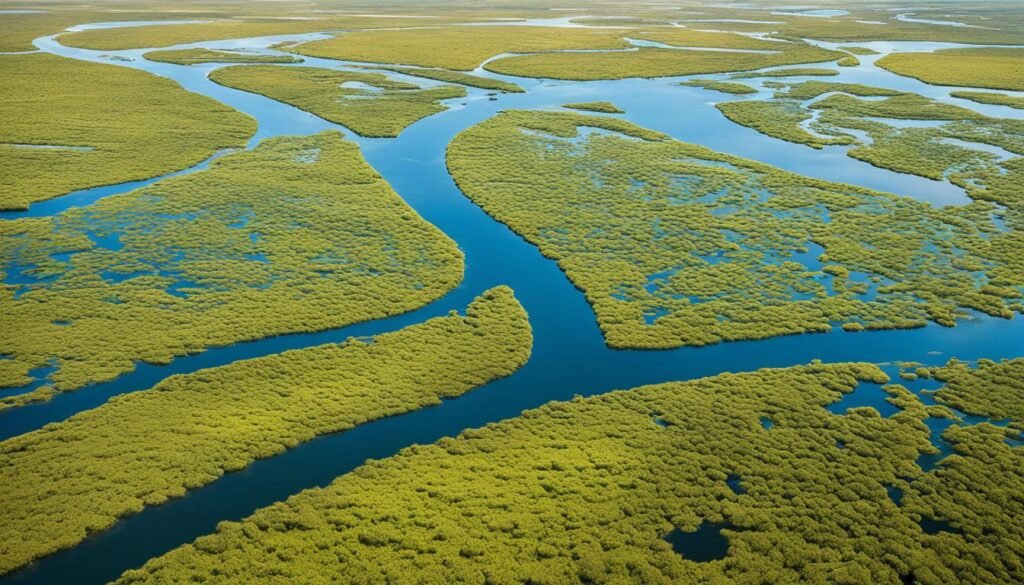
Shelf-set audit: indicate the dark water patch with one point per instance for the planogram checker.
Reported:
(707, 543)
(936, 427)
(767, 422)
(735, 484)
(661, 422)
(935, 526)
(40, 376)
(895, 494)
(1015, 441)
(865, 394)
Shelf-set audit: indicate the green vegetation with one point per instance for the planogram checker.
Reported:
(788, 72)
(859, 50)
(849, 30)
(653, 62)
(110, 462)
(849, 61)
(988, 68)
(299, 234)
(456, 47)
(20, 29)
(674, 244)
(196, 56)
(783, 120)
(585, 491)
(602, 107)
(958, 150)
(995, 99)
(722, 86)
(993, 389)
(139, 37)
(682, 37)
(371, 105)
(620, 21)
(456, 77)
(60, 132)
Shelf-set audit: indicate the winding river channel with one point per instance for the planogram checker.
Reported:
(569, 355)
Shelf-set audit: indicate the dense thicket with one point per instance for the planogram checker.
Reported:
(61, 130)
(585, 491)
(989, 68)
(674, 244)
(77, 477)
(300, 234)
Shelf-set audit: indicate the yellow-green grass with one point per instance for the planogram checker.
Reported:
(624, 21)
(924, 151)
(586, 492)
(681, 37)
(863, 51)
(992, 389)
(651, 62)
(993, 99)
(788, 72)
(846, 30)
(78, 477)
(987, 68)
(197, 56)
(69, 125)
(300, 234)
(460, 48)
(139, 37)
(722, 86)
(674, 244)
(20, 29)
(381, 112)
(780, 120)
(455, 77)
(601, 107)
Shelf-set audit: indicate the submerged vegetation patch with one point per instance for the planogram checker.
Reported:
(585, 492)
(370, 104)
(300, 234)
(112, 125)
(146, 447)
(721, 248)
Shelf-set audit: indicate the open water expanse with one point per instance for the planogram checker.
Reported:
(569, 355)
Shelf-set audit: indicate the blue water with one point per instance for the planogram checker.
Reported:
(569, 355)
(707, 543)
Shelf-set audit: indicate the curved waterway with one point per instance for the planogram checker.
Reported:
(569, 355)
